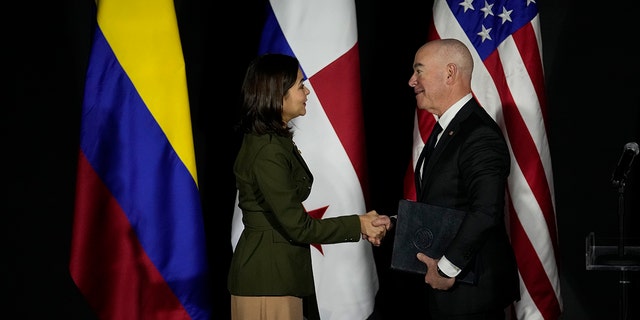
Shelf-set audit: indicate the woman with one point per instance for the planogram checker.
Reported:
(270, 271)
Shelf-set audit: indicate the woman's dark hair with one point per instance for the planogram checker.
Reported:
(266, 82)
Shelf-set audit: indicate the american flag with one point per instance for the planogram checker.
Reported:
(322, 34)
(508, 80)
(138, 242)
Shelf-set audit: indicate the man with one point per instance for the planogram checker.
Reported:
(467, 170)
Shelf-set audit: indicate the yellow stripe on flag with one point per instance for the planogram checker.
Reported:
(144, 37)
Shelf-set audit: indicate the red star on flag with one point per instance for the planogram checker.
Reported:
(317, 214)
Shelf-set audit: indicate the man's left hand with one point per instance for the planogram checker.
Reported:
(432, 277)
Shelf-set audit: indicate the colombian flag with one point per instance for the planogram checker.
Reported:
(138, 243)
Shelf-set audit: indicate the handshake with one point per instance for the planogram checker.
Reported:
(374, 227)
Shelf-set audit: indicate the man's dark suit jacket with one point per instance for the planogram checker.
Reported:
(468, 171)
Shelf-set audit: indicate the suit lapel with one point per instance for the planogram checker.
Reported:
(448, 134)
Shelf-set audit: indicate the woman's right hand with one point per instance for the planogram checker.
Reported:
(373, 232)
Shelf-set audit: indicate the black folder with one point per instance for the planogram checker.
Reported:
(425, 228)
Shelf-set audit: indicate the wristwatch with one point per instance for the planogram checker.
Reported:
(442, 274)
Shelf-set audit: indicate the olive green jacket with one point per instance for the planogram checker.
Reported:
(273, 255)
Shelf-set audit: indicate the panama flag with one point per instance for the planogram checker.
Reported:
(138, 244)
(322, 34)
(508, 80)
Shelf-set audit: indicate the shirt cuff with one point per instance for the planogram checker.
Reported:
(448, 268)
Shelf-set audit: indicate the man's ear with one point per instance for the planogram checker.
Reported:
(452, 72)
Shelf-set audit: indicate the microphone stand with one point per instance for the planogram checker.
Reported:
(622, 261)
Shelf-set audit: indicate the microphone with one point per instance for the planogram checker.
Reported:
(624, 164)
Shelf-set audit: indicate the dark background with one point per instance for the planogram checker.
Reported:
(591, 71)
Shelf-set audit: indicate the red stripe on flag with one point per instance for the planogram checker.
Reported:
(522, 144)
(342, 104)
(531, 269)
(529, 161)
(525, 40)
(108, 264)
(530, 53)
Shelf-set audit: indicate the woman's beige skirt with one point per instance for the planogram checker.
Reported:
(266, 308)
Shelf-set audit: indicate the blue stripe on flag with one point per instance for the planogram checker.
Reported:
(273, 39)
(133, 157)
